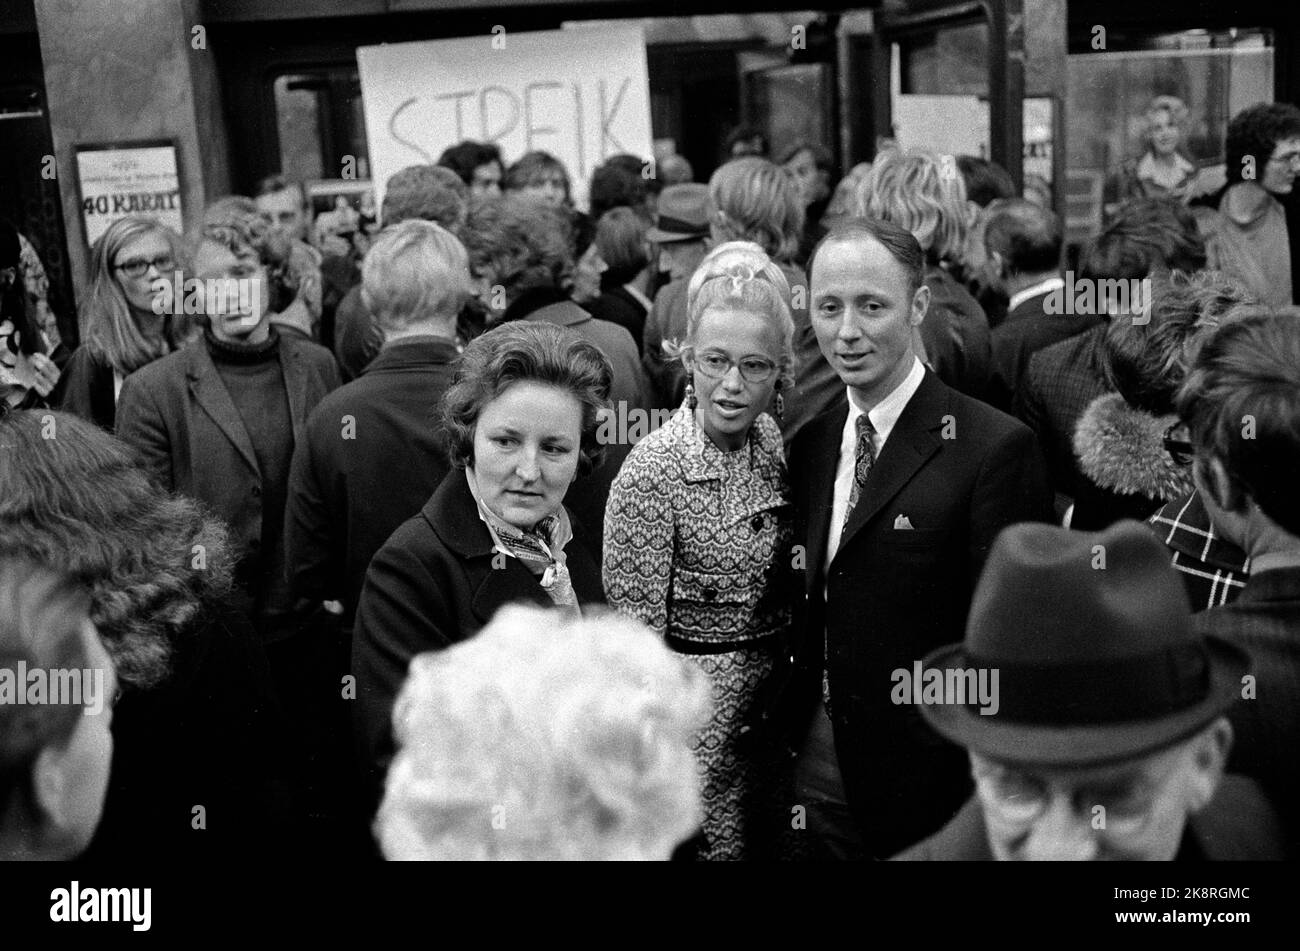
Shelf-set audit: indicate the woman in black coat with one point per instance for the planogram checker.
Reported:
(521, 418)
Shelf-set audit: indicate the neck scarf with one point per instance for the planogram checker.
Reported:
(541, 548)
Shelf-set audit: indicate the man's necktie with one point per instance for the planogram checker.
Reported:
(864, 457)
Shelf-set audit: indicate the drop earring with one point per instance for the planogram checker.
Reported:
(691, 401)
(779, 406)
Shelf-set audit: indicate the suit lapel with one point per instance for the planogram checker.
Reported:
(912, 442)
(824, 445)
(295, 383)
(212, 397)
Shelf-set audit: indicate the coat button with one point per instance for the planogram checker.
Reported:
(710, 594)
(757, 523)
(257, 491)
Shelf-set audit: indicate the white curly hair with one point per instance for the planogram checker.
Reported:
(546, 736)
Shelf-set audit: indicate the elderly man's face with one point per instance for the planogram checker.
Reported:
(1134, 810)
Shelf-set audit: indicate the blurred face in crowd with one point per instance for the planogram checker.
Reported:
(138, 265)
(285, 211)
(1135, 810)
(586, 275)
(241, 293)
(733, 366)
(1165, 134)
(681, 258)
(486, 181)
(863, 312)
(1281, 169)
(803, 169)
(526, 444)
(548, 190)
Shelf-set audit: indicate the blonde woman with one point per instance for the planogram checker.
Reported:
(698, 532)
(122, 333)
(925, 193)
(751, 199)
(1163, 169)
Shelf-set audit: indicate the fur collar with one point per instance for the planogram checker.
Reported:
(1121, 449)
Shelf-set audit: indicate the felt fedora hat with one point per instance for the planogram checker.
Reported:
(1091, 639)
(682, 214)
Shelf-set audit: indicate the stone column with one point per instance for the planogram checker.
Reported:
(120, 71)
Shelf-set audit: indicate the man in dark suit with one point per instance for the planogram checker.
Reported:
(373, 451)
(1023, 243)
(1242, 403)
(898, 495)
(1065, 771)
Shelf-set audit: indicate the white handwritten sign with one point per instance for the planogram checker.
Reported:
(581, 95)
(132, 179)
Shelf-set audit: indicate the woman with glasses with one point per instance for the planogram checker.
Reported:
(698, 533)
(122, 330)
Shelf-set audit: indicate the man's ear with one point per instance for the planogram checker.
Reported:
(1209, 758)
(920, 305)
(365, 299)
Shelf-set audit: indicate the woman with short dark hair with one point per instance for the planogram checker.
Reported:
(520, 258)
(521, 418)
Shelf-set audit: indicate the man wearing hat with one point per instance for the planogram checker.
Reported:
(1107, 735)
(681, 230)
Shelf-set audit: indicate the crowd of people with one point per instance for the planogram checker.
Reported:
(773, 517)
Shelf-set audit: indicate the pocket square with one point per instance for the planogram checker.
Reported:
(902, 522)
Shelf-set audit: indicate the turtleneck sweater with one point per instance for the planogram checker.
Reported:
(254, 379)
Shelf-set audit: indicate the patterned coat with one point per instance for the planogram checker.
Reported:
(697, 540)
(697, 545)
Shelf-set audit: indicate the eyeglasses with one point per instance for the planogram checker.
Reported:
(752, 369)
(138, 267)
(1180, 450)
(1125, 809)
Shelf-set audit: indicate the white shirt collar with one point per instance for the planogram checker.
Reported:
(885, 414)
(644, 301)
(1018, 298)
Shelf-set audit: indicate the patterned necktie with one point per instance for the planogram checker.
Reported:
(864, 456)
